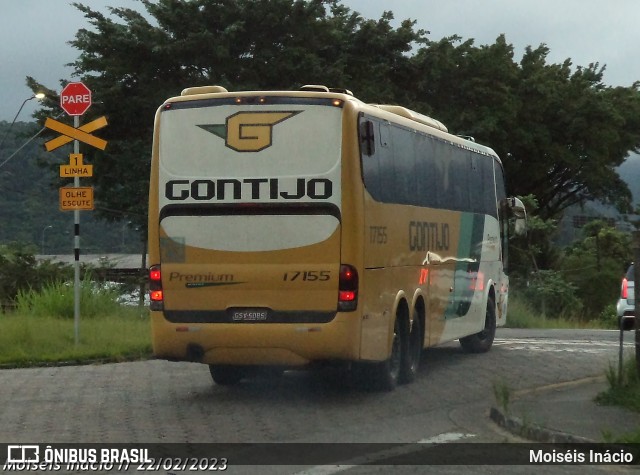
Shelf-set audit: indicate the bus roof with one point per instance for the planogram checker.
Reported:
(393, 113)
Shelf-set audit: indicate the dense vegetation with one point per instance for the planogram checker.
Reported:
(561, 132)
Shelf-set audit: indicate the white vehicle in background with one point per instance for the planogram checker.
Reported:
(625, 306)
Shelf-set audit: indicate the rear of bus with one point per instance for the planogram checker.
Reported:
(245, 230)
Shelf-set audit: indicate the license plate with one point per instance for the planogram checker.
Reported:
(249, 314)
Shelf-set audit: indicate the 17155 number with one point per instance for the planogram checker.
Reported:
(307, 275)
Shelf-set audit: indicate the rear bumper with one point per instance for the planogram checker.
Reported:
(286, 344)
(624, 308)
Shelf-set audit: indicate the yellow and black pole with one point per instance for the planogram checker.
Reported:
(76, 246)
(75, 99)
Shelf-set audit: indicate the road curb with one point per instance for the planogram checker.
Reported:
(534, 432)
(82, 362)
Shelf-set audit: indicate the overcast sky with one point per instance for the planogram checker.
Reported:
(34, 34)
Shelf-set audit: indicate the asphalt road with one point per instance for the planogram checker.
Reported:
(163, 402)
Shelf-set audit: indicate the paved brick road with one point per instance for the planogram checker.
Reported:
(157, 401)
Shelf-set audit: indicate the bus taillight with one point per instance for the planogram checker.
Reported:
(348, 288)
(155, 288)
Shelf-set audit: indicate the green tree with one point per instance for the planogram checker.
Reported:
(595, 264)
(533, 251)
(133, 64)
(559, 130)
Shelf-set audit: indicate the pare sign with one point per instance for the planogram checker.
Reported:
(75, 98)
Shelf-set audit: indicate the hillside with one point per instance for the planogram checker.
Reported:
(629, 171)
(29, 202)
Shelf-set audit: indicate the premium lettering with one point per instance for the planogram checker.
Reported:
(249, 189)
(208, 277)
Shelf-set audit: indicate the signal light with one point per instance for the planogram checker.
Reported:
(348, 288)
(155, 288)
(156, 296)
(625, 288)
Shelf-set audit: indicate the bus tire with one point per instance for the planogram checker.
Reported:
(385, 375)
(481, 342)
(225, 375)
(411, 353)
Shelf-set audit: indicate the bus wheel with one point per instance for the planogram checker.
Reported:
(385, 375)
(411, 353)
(226, 375)
(481, 342)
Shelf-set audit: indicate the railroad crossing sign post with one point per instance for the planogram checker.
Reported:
(75, 99)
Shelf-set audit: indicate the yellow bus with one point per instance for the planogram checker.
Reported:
(295, 228)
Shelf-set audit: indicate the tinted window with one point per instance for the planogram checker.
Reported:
(630, 273)
(410, 167)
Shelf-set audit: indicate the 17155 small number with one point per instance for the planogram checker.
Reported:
(307, 275)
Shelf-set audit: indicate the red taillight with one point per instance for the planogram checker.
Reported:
(347, 296)
(348, 288)
(154, 273)
(156, 296)
(155, 288)
(625, 288)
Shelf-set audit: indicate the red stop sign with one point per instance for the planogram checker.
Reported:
(75, 98)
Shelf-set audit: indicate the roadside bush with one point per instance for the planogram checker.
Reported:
(609, 317)
(57, 300)
(552, 296)
(19, 271)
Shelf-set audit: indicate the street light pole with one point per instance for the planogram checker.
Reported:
(38, 96)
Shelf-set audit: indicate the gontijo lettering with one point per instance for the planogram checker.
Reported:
(249, 189)
(424, 236)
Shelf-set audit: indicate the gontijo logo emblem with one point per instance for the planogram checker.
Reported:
(249, 131)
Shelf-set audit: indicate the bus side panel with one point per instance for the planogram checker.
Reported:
(450, 257)
(477, 267)
(407, 249)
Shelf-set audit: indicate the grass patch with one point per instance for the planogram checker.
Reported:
(27, 340)
(522, 315)
(57, 300)
(624, 391)
(42, 329)
(503, 394)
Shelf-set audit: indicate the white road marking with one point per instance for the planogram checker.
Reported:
(557, 346)
(384, 454)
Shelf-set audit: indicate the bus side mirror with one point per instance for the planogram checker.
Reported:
(519, 212)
